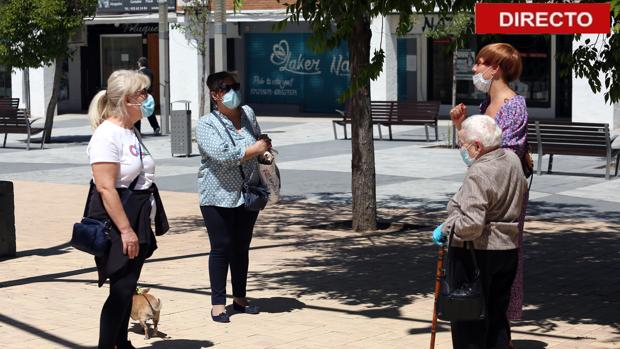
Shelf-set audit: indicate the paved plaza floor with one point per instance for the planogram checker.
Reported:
(319, 284)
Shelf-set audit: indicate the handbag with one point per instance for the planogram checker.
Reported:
(93, 235)
(255, 197)
(464, 301)
(527, 163)
(270, 175)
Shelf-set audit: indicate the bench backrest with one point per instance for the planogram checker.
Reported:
(8, 103)
(400, 111)
(569, 138)
(381, 110)
(10, 114)
(415, 111)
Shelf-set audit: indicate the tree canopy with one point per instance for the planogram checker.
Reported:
(34, 32)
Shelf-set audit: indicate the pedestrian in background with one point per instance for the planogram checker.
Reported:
(485, 211)
(143, 67)
(495, 67)
(225, 164)
(123, 172)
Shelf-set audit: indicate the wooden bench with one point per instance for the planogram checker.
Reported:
(15, 120)
(389, 113)
(413, 114)
(565, 138)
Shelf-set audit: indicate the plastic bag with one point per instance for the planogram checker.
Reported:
(270, 174)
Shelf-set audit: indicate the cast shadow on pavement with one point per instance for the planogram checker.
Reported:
(165, 342)
(571, 257)
(43, 252)
(529, 344)
(46, 252)
(8, 321)
(180, 344)
(78, 139)
(278, 304)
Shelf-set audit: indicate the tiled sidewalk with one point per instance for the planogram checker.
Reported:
(319, 284)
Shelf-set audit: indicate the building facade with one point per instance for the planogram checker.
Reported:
(281, 74)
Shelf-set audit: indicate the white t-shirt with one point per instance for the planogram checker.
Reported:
(113, 143)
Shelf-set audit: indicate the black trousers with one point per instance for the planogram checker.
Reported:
(152, 120)
(497, 272)
(230, 233)
(117, 308)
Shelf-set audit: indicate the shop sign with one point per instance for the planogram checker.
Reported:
(131, 6)
(143, 28)
(283, 69)
(590, 18)
(464, 62)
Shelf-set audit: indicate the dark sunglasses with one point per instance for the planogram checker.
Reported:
(142, 93)
(226, 88)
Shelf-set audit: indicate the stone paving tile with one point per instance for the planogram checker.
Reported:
(319, 285)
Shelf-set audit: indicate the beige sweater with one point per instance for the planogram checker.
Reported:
(486, 208)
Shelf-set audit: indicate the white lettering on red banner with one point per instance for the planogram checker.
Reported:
(494, 18)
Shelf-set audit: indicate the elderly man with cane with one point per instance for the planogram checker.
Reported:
(484, 215)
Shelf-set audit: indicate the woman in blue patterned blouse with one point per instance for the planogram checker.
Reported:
(228, 223)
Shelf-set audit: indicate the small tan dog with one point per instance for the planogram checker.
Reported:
(145, 306)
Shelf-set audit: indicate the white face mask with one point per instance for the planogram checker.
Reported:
(481, 83)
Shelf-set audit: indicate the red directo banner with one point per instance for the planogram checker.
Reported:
(494, 18)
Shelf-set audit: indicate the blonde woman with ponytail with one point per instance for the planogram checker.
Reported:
(123, 192)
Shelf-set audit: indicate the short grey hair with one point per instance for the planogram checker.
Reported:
(482, 129)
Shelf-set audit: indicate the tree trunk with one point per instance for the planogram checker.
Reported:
(203, 84)
(452, 126)
(51, 106)
(363, 185)
(203, 50)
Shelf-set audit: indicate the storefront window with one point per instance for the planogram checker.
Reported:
(534, 83)
(119, 51)
(5, 81)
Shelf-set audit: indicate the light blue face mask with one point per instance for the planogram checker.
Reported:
(466, 158)
(231, 99)
(148, 106)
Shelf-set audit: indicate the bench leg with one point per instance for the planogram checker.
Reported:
(344, 125)
(43, 139)
(334, 126)
(28, 142)
(540, 156)
(426, 131)
(390, 129)
(4, 144)
(436, 132)
(550, 166)
(380, 133)
(607, 166)
(617, 161)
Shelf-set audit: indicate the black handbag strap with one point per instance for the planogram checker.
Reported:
(470, 246)
(132, 185)
(232, 140)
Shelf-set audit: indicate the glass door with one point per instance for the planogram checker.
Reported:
(119, 52)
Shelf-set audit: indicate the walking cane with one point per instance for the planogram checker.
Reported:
(442, 251)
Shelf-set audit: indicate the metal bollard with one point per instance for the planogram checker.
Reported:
(7, 220)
